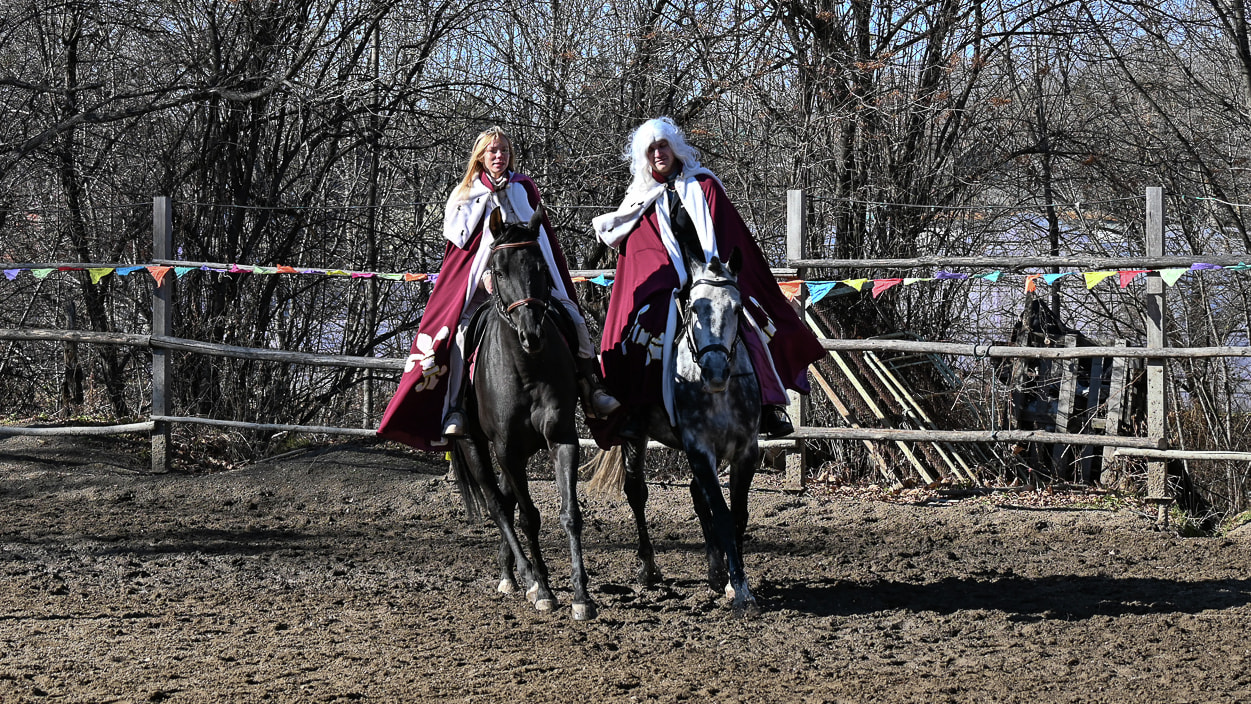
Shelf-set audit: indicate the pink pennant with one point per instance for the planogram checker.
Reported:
(1127, 276)
(791, 288)
(880, 285)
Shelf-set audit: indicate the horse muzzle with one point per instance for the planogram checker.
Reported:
(715, 366)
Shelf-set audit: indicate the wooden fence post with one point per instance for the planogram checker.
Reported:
(1061, 455)
(1157, 405)
(796, 249)
(162, 319)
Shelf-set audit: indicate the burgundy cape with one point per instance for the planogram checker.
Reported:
(633, 338)
(415, 414)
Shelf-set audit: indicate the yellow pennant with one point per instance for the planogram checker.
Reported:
(1094, 277)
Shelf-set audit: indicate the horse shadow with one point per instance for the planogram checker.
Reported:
(1025, 599)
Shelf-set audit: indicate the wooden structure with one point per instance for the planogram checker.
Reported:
(899, 391)
(1080, 395)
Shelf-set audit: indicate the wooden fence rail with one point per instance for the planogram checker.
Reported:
(1017, 263)
(955, 349)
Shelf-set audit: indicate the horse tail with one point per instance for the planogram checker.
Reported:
(470, 490)
(608, 467)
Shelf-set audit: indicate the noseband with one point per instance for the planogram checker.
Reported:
(698, 354)
(506, 310)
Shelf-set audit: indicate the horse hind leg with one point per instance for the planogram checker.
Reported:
(633, 453)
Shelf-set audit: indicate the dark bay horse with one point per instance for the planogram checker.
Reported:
(717, 409)
(523, 399)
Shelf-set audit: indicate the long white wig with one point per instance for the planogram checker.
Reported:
(648, 134)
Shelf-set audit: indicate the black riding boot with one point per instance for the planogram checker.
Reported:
(774, 422)
(454, 423)
(596, 401)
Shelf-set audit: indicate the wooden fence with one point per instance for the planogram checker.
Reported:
(1153, 445)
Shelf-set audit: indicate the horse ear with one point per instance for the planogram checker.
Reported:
(537, 218)
(735, 262)
(495, 223)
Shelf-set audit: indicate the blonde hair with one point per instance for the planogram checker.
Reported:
(474, 169)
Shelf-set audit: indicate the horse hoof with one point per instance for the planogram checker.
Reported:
(584, 612)
(648, 576)
(747, 610)
(507, 586)
(543, 605)
(729, 592)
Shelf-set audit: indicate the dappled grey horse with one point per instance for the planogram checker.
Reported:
(717, 408)
(524, 397)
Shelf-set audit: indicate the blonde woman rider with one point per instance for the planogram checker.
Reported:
(426, 408)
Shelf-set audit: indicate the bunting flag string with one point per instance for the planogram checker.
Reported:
(816, 290)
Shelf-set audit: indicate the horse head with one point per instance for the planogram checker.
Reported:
(714, 306)
(521, 284)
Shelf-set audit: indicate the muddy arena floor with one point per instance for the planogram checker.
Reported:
(350, 573)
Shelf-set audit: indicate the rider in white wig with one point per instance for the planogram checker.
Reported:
(649, 133)
(674, 208)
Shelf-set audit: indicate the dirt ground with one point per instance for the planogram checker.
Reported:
(349, 573)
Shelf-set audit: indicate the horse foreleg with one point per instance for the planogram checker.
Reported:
(478, 463)
(633, 453)
(717, 573)
(565, 460)
(538, 592)
(742, 471)
(704, 469)
(505, 558)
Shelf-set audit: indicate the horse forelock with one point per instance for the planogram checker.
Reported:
(514, 233)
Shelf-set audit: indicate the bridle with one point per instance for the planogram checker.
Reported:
(506, 310)
(698, 354)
